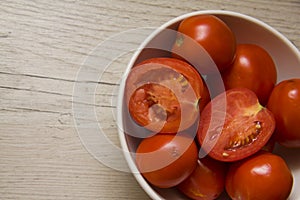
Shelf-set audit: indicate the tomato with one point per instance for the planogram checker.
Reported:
(207, 181)
(284, 102)
(215, 84)
(205, 97)
(234, 125)
(212, 34)
(166, 160)
(262, 176)
(270, 145)
(254, 69)
(163, 94)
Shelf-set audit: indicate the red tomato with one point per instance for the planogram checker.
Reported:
(215, 84)
(284, 102)
(263, 176)
(212, 34)
(270, 145)
(254, 69)
(205, 97)
(206, 182)
(163, 94)
(234, 125)
(166, 160)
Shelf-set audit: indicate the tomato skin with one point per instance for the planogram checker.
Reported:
(254, 69)
(237, 127)
(173, 159)
(207, 181)
(162, 94)
(270, 145)
(261, 176)
(215, 84)
(205, 97)
(212, 34)
(284, 102)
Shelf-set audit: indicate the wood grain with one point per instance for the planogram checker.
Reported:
(42, 46)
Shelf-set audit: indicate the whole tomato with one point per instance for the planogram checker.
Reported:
(209, 32)
(207, 181)
(163, 94)
(254, 69)
(284, 102)
(262, 176)
(166, 160)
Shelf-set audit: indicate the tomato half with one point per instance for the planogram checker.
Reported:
(262, 176)
(163, 94)
(234, 125)
(254, 69)
(166, 160)
(207, 181)
(284, 102)
(212, 34)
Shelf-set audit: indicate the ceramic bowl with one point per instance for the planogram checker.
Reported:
(247, 30)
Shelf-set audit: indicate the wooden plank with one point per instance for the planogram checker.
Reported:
(43, 45)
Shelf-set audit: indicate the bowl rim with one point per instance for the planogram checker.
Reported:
(131, 163)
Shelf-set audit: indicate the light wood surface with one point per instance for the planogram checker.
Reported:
(42, 46)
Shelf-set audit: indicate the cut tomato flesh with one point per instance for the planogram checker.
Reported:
(234, 125)
(163, 94)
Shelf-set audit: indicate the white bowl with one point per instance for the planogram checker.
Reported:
(247, 30)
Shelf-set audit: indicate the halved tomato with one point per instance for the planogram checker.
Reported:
(234, 125)
(163, 94)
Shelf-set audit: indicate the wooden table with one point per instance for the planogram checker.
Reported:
(43, 45)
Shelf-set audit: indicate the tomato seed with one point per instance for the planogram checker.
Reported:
(224, 154)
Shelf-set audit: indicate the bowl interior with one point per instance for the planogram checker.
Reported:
(247, 30)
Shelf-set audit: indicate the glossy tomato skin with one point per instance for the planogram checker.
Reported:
(207, 181)
(212, 34)
(162, 94)
(234, 125)
(254, 69)
(284, 102)
(166, 160)
(261, 176)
